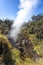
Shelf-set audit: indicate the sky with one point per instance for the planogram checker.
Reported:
(9, 8)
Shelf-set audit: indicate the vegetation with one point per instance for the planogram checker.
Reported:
(5, 26)
(28, 48)
(5, 50)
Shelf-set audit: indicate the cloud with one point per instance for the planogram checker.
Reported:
(26, 7)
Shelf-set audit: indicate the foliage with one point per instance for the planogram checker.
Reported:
(5, 26)
(5, 49)
(28, 48)
(35, 27)
(37, 17)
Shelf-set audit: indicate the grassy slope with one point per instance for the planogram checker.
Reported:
(16, 54)
(38, 43)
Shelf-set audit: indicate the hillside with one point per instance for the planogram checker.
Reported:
(28, 48)
(33, 32)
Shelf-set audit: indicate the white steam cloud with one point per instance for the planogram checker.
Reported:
(25, 9)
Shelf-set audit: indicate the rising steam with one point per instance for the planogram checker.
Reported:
(25, 9)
